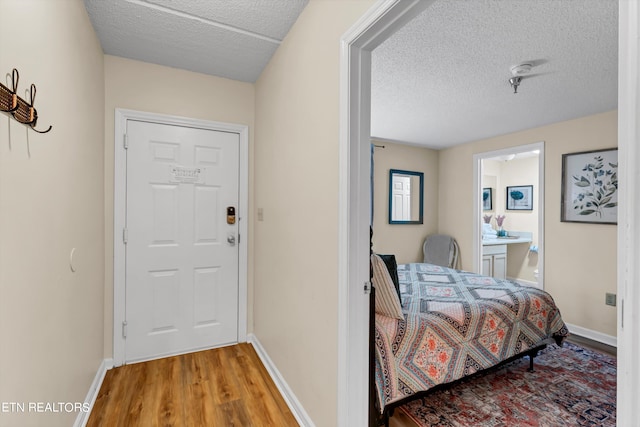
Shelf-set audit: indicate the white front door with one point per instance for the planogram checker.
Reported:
(181, 246)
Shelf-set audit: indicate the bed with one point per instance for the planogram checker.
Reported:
(454, 324)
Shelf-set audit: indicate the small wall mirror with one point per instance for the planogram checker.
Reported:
(406, 194)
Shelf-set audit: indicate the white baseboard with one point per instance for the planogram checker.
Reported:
(289, 397)
(83, 417)
(593, 335)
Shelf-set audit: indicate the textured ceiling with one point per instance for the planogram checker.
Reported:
(232, 39)
(443, 79)
(439, 81)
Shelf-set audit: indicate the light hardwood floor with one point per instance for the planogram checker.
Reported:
(226, 386)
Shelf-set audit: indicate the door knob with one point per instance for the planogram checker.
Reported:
(231, 239)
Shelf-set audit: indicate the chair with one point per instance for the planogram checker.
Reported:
(441, 249)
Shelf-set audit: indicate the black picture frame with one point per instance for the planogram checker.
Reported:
(487, 199)
(590, 187)
(519, 198)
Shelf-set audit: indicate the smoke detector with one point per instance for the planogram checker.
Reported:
(520, 69)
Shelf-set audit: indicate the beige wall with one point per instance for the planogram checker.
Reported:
(580, 259)
(403, 240)
(296, 185)
(153, 88)
(51, 201)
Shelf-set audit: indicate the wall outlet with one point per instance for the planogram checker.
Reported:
(610, 299)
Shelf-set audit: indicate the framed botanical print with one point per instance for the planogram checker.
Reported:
(520, 198)
(487, 199)
(590, 187)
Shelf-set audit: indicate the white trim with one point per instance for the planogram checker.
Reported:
(376, 25)
(592, 335)
(628, 394)
(477, 205)
(287, 394)
(119, 212)
(94, 390)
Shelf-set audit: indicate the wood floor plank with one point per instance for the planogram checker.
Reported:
(135, 399)
(234, 414)
(227, 386)
(255, 361)
(152, 393)
(260, 399)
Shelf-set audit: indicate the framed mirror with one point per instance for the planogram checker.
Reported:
(406, 197)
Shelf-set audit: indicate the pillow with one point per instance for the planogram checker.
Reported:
(392, 268)
(387, 300)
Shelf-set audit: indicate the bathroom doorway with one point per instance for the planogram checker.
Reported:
(509, 214)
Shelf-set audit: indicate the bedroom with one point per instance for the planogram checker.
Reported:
(595, 319)
(406, 241)
(449, 175)
(449, 179)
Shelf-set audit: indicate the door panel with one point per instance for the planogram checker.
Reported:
(181, 271)
(402, 198)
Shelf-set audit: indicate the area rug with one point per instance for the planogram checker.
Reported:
(571, 386)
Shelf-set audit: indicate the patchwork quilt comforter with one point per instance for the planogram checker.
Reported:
(456, 323)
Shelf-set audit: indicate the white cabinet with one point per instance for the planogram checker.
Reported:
(494, 261)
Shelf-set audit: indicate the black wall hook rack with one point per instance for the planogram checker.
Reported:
(22, 111)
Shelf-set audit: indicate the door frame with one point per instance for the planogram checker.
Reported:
(375, 26)
(477, 202)
(628, 379)
(119, 214)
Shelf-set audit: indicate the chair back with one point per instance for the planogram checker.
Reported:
(441, 249)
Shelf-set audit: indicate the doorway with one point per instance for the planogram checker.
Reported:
(173, 235)
(527, 262)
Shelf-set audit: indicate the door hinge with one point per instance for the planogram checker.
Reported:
(367, 288)
(124, 329)
(125, 235)
(125, 141)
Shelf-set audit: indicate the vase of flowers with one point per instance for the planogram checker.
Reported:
(487, 230)
(499, 221)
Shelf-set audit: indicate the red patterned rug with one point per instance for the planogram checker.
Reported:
(571, 386)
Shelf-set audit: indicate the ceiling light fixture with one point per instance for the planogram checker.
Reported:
(517, 71)
(515, 82)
